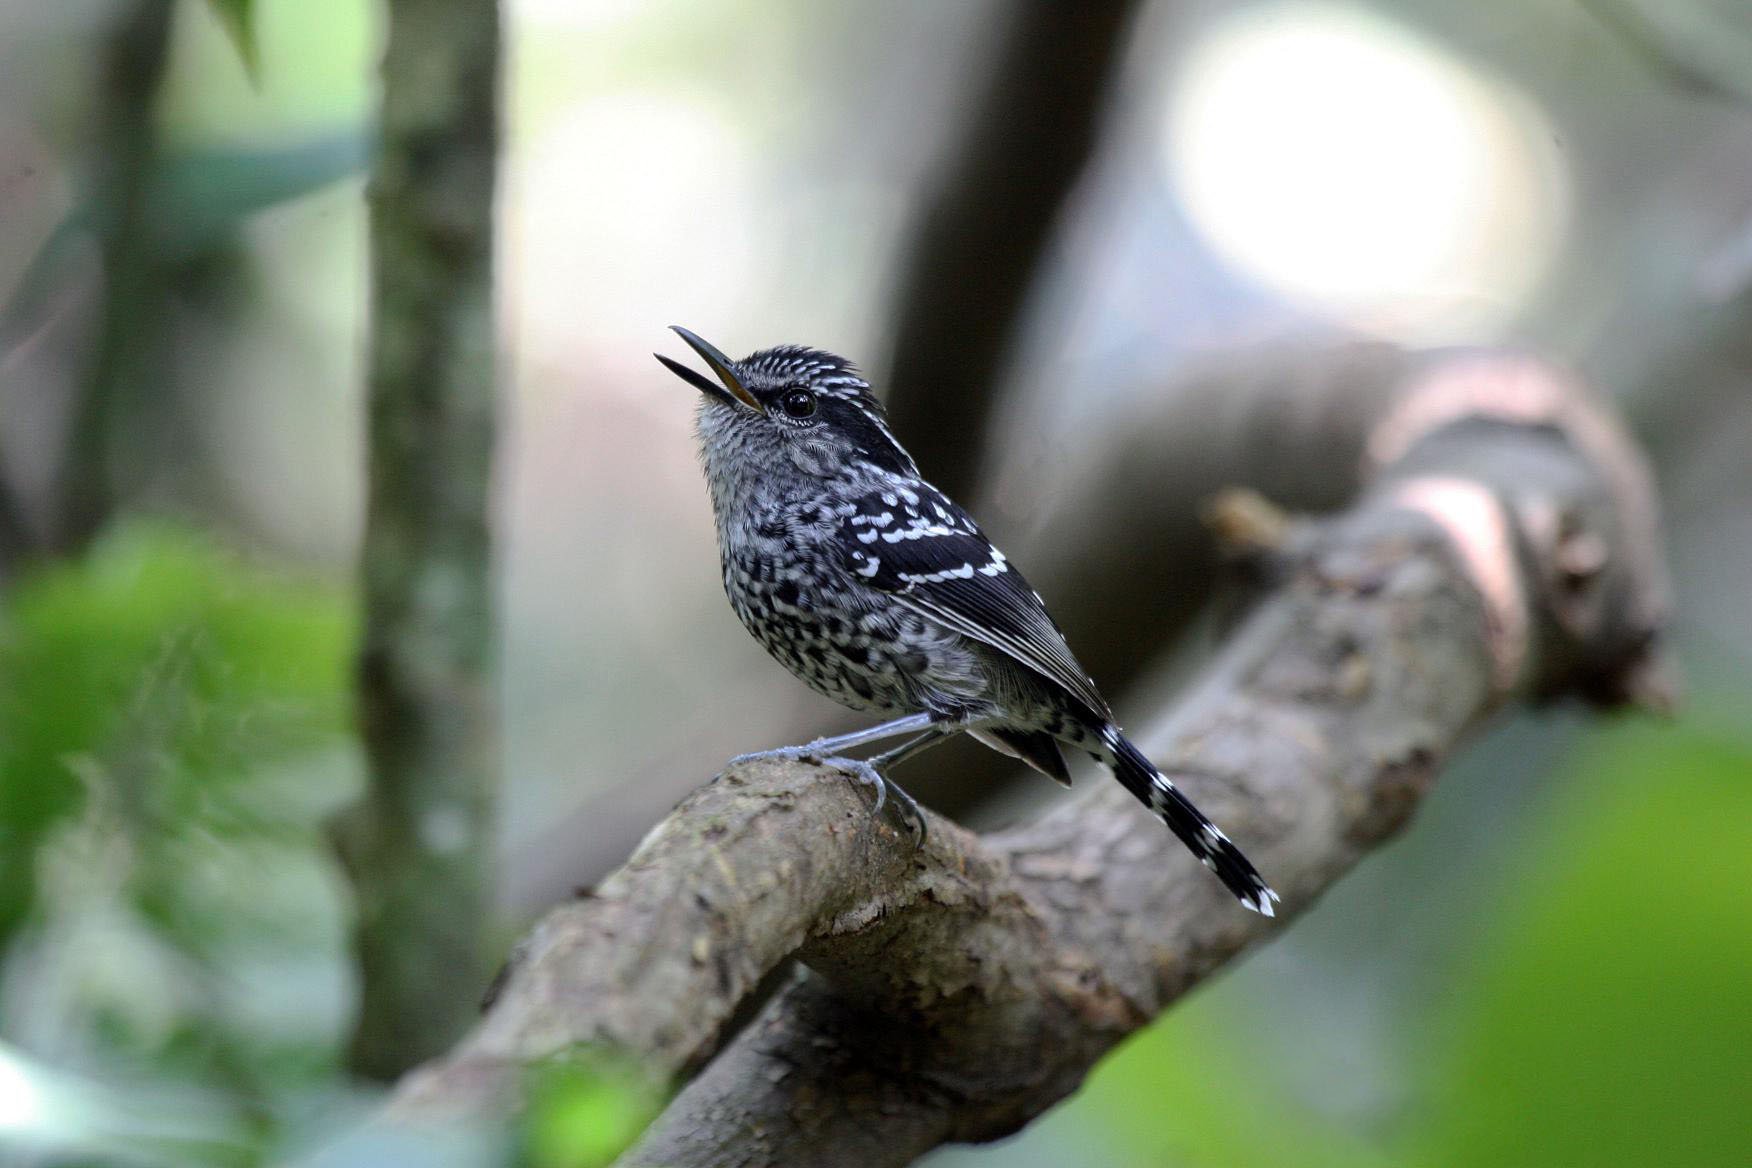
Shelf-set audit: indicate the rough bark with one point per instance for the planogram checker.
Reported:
(988, 220)
(418, 848)
(1503, 551)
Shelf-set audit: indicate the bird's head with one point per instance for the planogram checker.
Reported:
(788, 409)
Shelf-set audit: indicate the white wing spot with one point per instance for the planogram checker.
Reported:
(964, 572)
(916, 532)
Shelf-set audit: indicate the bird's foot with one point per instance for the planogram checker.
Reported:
(890, 796)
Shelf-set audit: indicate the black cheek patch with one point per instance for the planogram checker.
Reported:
(877, 447)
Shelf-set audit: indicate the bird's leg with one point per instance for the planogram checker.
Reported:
(931, 737)
(873, 772)
(825, 749)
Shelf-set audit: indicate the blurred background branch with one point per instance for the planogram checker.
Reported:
(420, 846)
(974, 254)
(123, 160)
(1667, 37)
(18, 541)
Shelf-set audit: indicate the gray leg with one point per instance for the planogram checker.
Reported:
(892, 729)
(823, 749)
(919, 745)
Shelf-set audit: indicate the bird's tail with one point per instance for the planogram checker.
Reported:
(1202, 838)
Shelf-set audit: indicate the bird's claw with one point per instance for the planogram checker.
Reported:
(905, 809)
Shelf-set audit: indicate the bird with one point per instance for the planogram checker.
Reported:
(876, 589)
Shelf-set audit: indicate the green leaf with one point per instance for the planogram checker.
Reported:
(237, 17)
(160, 672)
(174, 726)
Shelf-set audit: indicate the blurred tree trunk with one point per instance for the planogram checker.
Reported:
(123, 152)
(419, 847)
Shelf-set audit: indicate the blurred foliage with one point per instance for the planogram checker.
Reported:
(1603, 1019)
(585, 1111)
(1607, 1021)
(173, 728)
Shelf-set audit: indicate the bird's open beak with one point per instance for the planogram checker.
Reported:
(733, 391)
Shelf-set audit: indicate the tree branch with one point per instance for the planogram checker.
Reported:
(1503, 551)
(419, 846)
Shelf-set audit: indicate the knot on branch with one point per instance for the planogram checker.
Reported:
(1553, 509)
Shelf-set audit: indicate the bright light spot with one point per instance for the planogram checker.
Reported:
(1364, 172)
(23, 1107)
(632, 210)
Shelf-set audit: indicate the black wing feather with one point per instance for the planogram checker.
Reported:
(916, 544)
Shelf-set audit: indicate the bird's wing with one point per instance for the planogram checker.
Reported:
(913, 542)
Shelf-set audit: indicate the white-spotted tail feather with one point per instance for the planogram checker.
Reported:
(1202, 838)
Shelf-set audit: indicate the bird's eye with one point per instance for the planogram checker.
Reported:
(799, 403)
